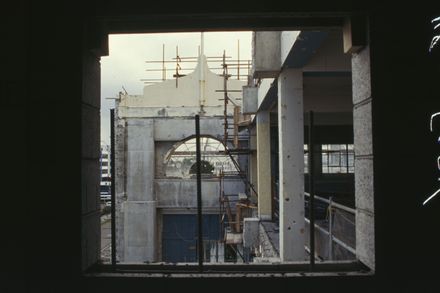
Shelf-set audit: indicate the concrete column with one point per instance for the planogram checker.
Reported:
(90, 116)
(263, 166)
(140, 231)
(291, 164)
(140, 159)
(363, 148)
(140, 208)
(253, 174)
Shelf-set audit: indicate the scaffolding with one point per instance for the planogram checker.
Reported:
(180, 71)
(230, 225)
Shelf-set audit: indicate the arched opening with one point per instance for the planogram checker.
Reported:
(181, 158)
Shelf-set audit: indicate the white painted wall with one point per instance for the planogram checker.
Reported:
(193, 90)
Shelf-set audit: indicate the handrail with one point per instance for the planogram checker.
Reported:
(335, 239)
(332, 203)
(329, 233)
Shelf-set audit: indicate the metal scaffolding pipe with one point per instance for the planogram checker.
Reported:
(199, 194)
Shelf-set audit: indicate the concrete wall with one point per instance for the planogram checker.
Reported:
(176, 129)
(141, 146)
(182, 193)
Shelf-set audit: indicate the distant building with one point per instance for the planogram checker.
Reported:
(104, 166)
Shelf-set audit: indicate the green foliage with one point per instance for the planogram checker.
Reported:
(205, 168)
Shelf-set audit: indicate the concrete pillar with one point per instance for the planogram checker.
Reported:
(90, 116)
(140, 231)
(253, 174)
(263, 166)
(140, 208)
(291, 164)
(363, 148)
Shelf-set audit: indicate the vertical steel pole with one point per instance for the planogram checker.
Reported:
(330, 228)
(113, 195)
(312, 193)
(199, 194)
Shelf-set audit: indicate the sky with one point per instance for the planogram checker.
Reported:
(126, 64)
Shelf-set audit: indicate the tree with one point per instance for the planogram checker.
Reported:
(205, 168)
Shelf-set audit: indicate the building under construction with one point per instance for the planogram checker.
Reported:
(384, 76)
(251, 157)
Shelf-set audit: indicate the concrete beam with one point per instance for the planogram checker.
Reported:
(266, 54)
(329, 56)
(167, 111)
(305, 46)
(267, 94)
(250, 100)
(181, 193)
(291, 164)
(178, 129)
(288, 39)
(354, 33)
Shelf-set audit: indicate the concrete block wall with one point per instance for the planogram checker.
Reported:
(363, 146)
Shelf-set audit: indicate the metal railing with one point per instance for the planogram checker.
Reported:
(332, 210)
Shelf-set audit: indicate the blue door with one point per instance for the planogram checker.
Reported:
(179, 236)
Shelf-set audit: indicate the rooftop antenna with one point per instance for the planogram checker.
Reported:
(178, 60)
(202, 43)
(202, 73)
(164, 70)
(238, 59)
